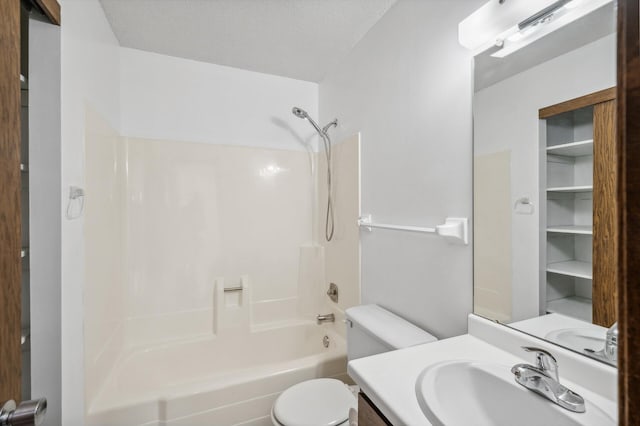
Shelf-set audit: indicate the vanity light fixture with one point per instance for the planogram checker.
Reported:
(512, 25)
(545, 22)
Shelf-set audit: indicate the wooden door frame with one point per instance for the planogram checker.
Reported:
(629, 216)
(10, 193)
(51, 8)
(10, 188)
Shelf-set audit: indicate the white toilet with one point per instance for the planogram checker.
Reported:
(326, 402)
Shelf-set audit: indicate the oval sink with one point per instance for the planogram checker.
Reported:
(476, 393)
(578, 339)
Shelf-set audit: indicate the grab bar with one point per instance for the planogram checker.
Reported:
(455, 229)
(230, 289)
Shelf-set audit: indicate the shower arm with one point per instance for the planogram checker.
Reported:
(326, 128)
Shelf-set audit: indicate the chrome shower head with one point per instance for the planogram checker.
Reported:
(299, 112)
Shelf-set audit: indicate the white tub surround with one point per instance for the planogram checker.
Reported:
(342, 253)
(224, 380)
(389, 379)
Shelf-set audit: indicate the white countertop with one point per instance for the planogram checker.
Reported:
(389, 379)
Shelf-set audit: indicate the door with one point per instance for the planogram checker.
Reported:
(10, 259)
(24, 412)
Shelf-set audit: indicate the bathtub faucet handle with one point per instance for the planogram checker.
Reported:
(333, 292)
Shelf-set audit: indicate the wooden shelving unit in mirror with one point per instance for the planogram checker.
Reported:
(575, 140)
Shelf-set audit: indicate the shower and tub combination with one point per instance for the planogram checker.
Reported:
(223, 354)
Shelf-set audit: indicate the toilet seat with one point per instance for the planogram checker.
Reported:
(318, 402)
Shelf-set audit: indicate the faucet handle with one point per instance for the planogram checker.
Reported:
(544, 361)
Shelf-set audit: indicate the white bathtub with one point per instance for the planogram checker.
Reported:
(225, 380)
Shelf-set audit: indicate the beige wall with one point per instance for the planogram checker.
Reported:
(104, 297)
(492, 236)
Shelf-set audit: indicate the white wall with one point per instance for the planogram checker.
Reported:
(177, 99)
(407, 88)
(90, 69)
(45, 215)
(505, 119)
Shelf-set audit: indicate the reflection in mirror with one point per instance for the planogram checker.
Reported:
(545, 169)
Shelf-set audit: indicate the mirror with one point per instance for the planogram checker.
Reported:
(545, 177)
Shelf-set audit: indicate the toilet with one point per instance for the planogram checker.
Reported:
(326, 402)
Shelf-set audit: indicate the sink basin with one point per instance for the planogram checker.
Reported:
(477, 393)
(578, 339)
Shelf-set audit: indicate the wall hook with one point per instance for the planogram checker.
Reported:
(75, 204)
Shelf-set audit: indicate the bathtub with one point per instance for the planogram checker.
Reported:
(230, 379)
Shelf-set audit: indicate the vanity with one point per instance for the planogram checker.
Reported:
(398, 387)
(541, 347)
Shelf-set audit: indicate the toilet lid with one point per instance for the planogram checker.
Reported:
(319, 402)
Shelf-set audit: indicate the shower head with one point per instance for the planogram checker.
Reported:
(299, 112)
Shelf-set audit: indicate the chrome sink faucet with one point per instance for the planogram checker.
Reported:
(542, 379)
(609, 353)
(611, 344)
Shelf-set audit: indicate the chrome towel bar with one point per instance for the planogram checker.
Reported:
(230, 289)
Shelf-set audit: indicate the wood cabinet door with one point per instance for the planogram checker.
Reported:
(605, 215)
(368, 413)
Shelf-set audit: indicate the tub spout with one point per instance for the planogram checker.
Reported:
(325, 318)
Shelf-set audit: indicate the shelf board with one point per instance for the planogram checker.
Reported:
(573, 149)
(572, 268)
(573, 306)
(571, 229)
(580, 188)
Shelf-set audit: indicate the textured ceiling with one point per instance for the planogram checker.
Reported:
(301, 39)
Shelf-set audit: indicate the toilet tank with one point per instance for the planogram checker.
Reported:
(372, 330)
